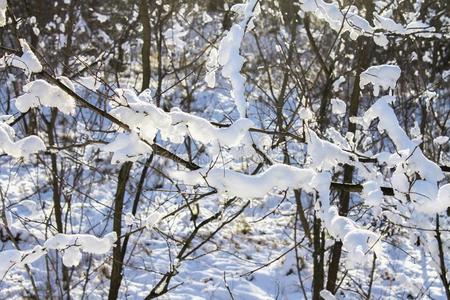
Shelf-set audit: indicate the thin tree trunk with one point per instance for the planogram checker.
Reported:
(318, 274)
(137, 197)
(116, 273)
(146, 37)
(363, 62)
(281, 97)
(159, 44)
(443, 271)
(56, 193)
(372, 273)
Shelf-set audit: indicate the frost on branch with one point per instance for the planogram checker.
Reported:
(438, 204)
(357, 241)
(388, 24)
(337, 83)
(41, 93)
(411, 153)
(382, 76)
(420, 28)
(89, 82)
(211, 66)
(348, 19)
(152, 220)
(21, 148)
(71, 244)
(146, 120)
(229, 57)
(337, 138)
(27, 62)
(441, 140)
(127, 147)
(325, 155)
(409, 161)
(203, 131)
(276, 183)
(372, 193)
(332, 14)
(140, 114)
(236, 184)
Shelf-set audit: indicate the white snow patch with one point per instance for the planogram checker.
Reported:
(229, 56)
(338, 106)
(127, 147)
(441, 140)
(21, 148)
(236, 184)
(388, 122)
(384, 76)
(325, 155)
(372, 193)
(41, 93)
(3, 5)
(71, 244)
(27, 61)
(327, 295)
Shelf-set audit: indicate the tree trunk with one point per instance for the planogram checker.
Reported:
(116, 273)
(146, 36)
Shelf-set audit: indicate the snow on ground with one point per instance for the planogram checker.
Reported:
(256, 238)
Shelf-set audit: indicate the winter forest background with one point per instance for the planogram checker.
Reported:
(219, 149)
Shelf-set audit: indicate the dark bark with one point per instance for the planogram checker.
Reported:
(318, 254)
(443, 269)
(146, 37)
(56, 192)
(116, 273)
(344, 202)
